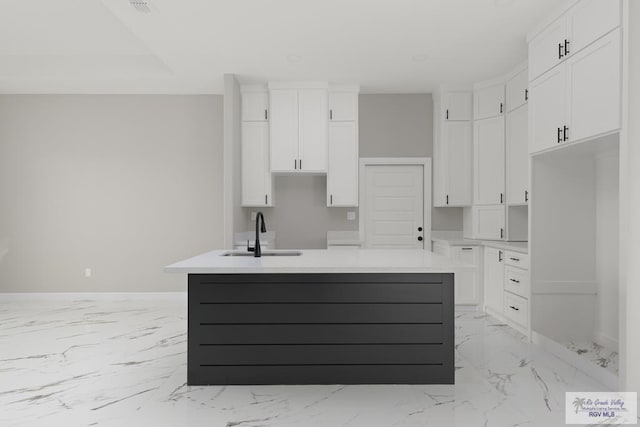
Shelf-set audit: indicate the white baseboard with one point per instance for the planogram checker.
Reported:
(607, 378)
(104, 296)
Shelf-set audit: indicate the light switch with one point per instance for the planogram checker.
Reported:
(351, 216)
(253, 215)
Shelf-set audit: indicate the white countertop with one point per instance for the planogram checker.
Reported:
(455, 238)
(343, 238)
(323, 261)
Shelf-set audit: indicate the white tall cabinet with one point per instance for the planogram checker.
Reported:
(342, 173)
(453, 149)
(255, 166)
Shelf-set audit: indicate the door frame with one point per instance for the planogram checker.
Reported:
(425, 162)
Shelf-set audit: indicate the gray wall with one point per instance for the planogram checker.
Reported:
(396, 125)
(121, 184)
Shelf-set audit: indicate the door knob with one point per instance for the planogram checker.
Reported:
(420, 238)
(419, 228)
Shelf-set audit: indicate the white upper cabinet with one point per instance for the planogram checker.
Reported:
(517, 157)
(584, 23)
(342, 176)
(313, 130)
(547, 110)
(547, 49)
(589, 20)
(343, 106)
(593, 89)
(457, 146)
(485, 222)
(517, 90)
(299, 129)
(488, 102)
(489, 161)
(457, 106)
(255, 106)
(284, 130)
(256, 175)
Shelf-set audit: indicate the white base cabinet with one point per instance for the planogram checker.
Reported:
(468, 284)
(493, 280)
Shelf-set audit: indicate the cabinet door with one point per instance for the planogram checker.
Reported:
(517, 157)
(343, 106)
(458, 145)
(256, 176)
(594, 89)
(284, 130)
(547, 49)
(457, 106)
(488, 102)
(342, 174)
(488, 151)
(313, 130)
(489, 222)
(547, 110)
(467, 283)
(591, 19)
(517, 91)
(493, 279)
(255, 106)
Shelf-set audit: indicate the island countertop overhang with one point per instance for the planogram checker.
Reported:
(322, 261)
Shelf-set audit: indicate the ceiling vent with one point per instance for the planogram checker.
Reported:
(141, 6)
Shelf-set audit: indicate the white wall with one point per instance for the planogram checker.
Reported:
(122, 184)
(607, 239)
(630, 207)
(233, 213)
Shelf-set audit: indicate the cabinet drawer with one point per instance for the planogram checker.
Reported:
(516, 281)
(516, 309)
(516, 259)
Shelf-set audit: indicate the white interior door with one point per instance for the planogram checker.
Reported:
(394, 206)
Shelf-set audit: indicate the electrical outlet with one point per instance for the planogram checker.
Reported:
(351, 216)
(253, 215)
(87, 272)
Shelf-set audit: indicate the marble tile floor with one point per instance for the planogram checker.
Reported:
(595, 353)
(123, 363)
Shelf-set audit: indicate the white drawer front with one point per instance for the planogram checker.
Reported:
(517, 281)
(516, 309)
(516, 259)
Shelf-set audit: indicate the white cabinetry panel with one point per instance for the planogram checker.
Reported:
(589, 20)
(493, 279)
(255, 106)
(593, 89)
(312, 107)
(284, 130)
(342, 176)
(457, 106)
(488, 102)
(547, 110)
(547, 49)
(489, 161)
(517, 157)
(517, 90)
(343, 106)
(256, 175)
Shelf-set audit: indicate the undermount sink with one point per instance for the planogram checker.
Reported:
(250, 254)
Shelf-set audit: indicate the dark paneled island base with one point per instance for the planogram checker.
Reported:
(347, 328)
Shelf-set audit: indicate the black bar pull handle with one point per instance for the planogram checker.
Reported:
(501, 198)
(447, 114)
(565, 135)
(526, 94)
(295, 164)
(467, 249)
(265, 200)
(502, 233)
(514, 280)
(447, 199)
(331, 114)
(501, 108)
(514, 259)
(559, 135)
(499, 256)
(266, 114)
(560, 55)
(526, 196)
(514, 308)
(300, 161)
(331, 199)
(566, 47)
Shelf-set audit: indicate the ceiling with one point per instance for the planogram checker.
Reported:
(185, 46)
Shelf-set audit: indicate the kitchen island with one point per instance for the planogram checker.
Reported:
(320, 317)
